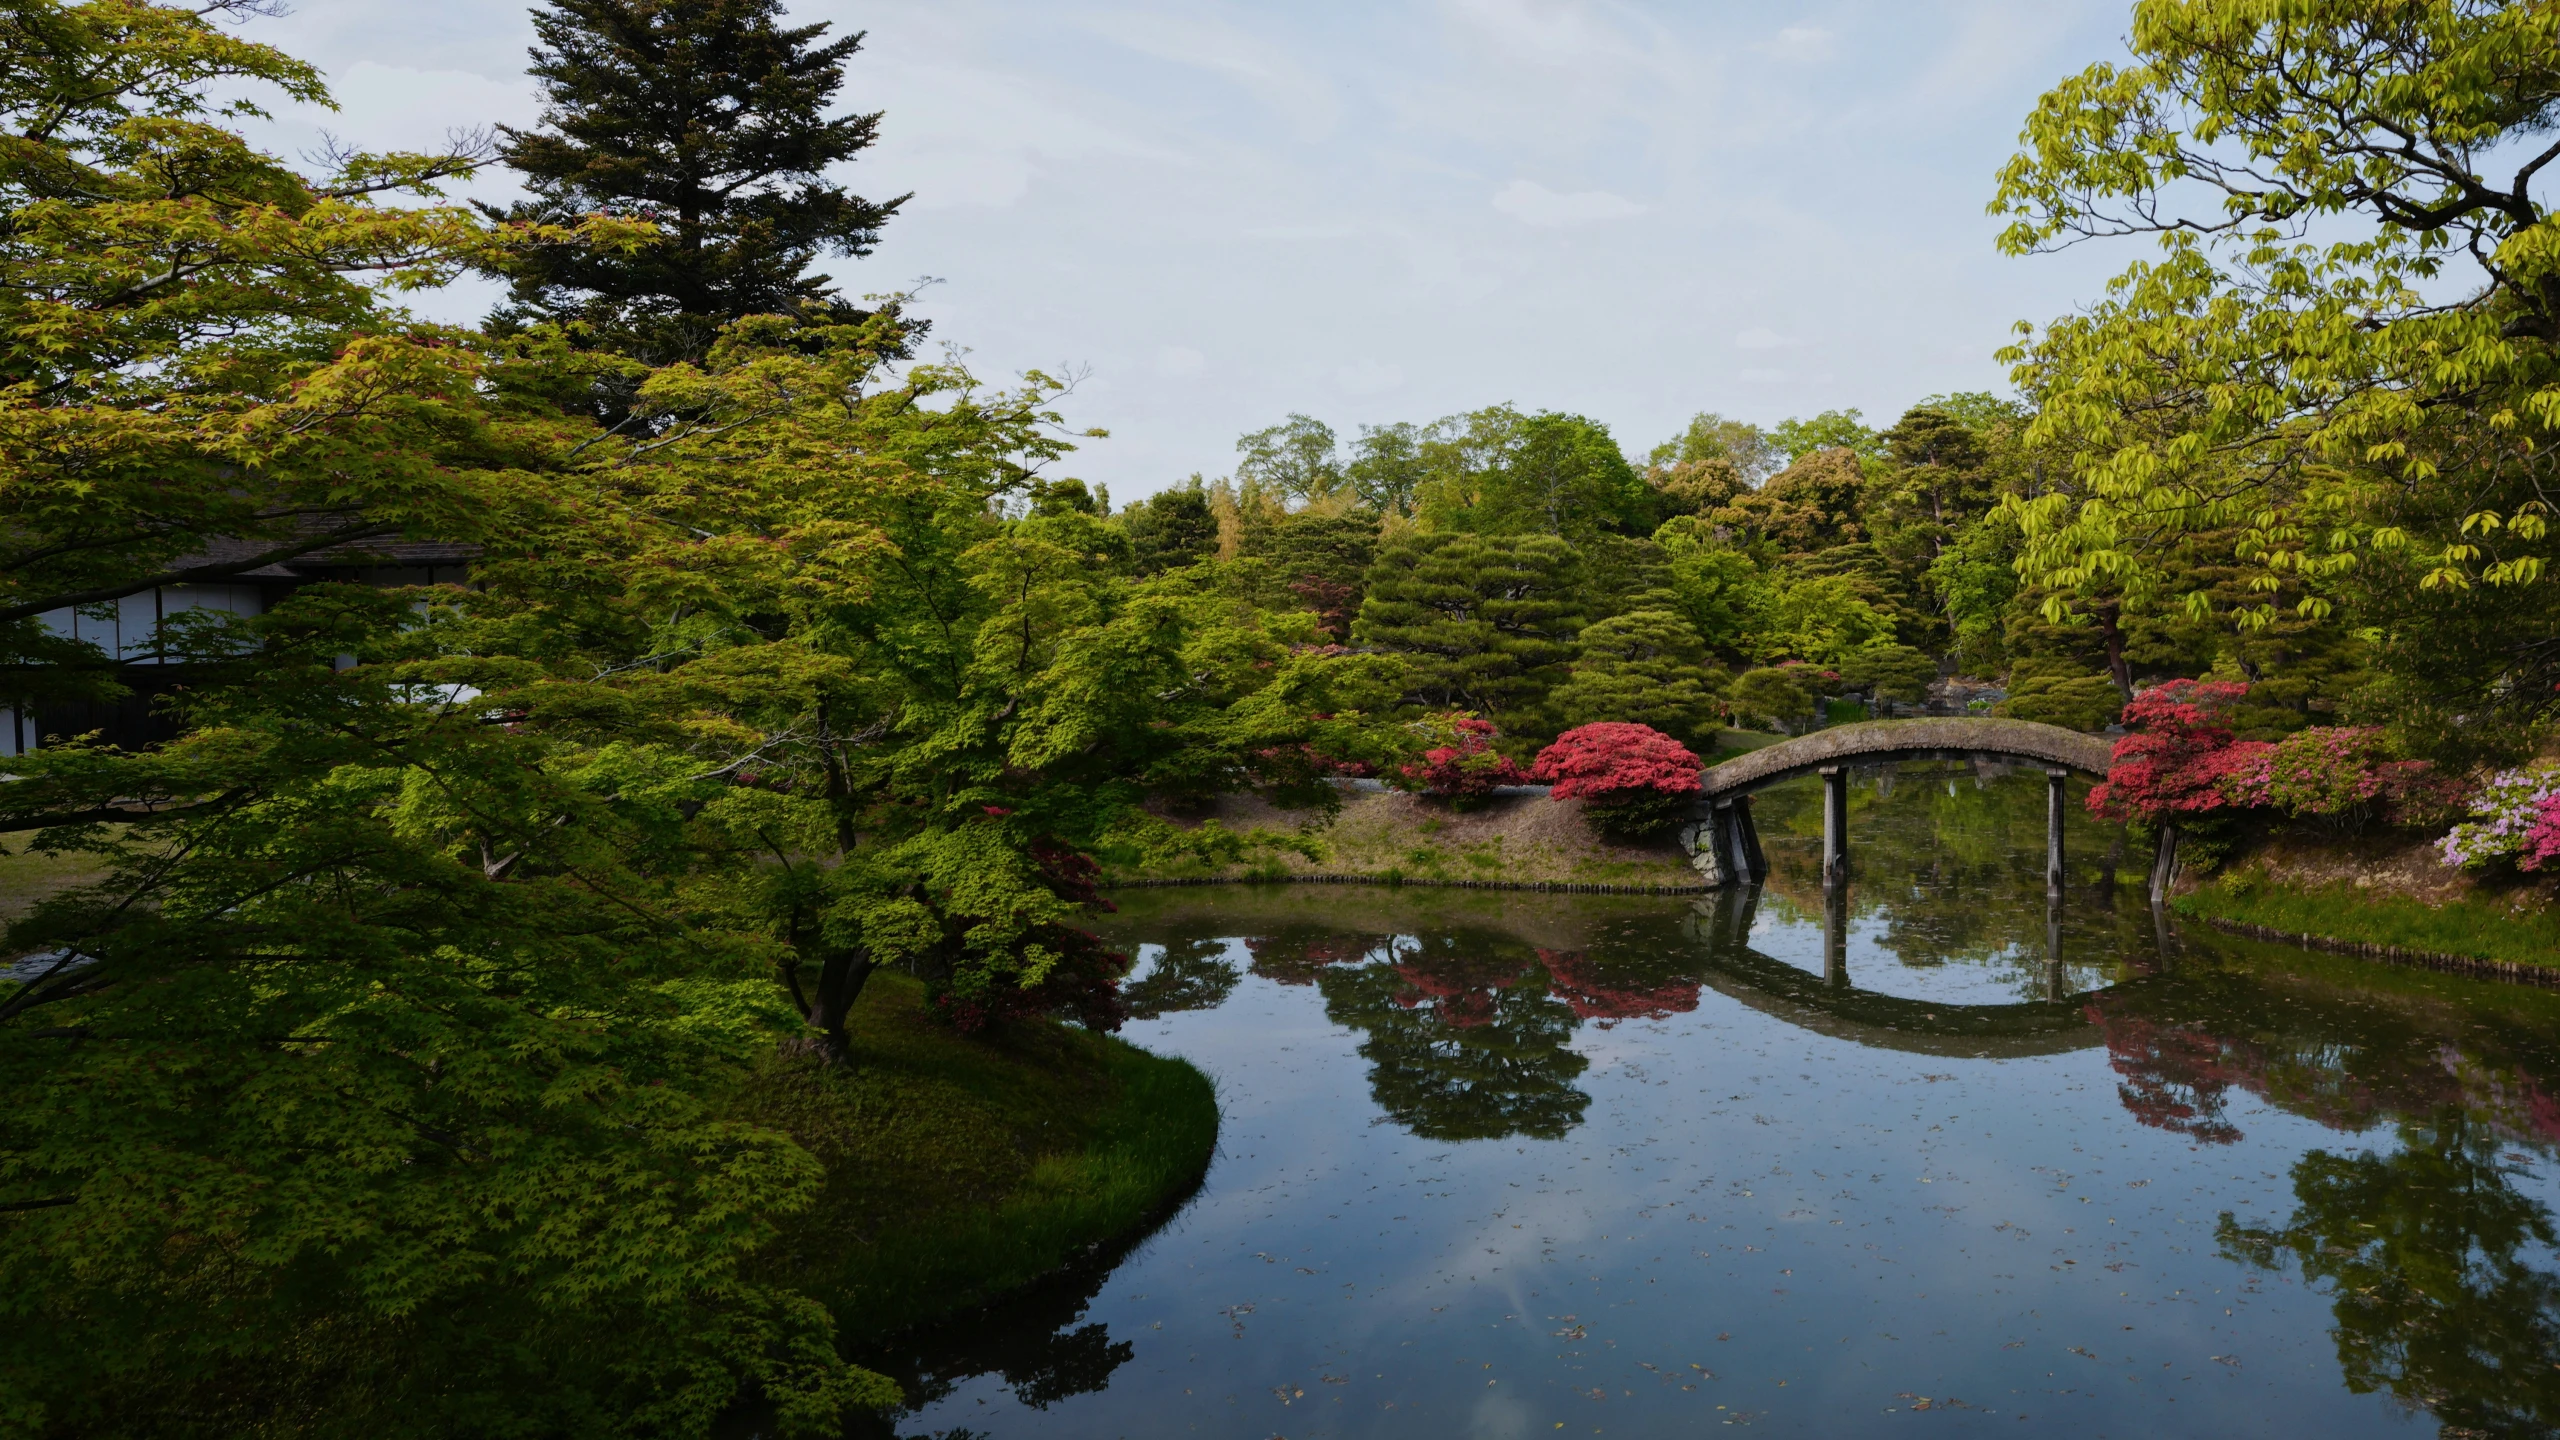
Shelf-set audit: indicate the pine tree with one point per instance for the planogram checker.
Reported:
(707, 117)
(1646, 667)
(1488, 621)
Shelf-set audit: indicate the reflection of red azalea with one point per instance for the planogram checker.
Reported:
(1295, 960)
(1579, 984)
(1464, 1002)
(2174, 1076)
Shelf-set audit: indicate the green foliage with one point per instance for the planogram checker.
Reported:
(1388, 466)
(708, 120)
(1824, 622)
(1830, 430)
(1771, 697)
(2059, 693)
(1975, 580)
(1174, 528)
(2316, 396)
(1891, 672)
(1486, 621)
(1545, 473)
(1645, 667)
(1294, 459)
(2481, 924)
(1724, 596)
(1749, 451)
(973, 1166)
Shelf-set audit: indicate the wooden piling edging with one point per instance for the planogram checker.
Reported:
(2545, 976)
(1569, 887)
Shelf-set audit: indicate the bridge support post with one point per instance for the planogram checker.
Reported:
(1835, 936)
(1835, 824)
(2053, 944)
(2056, 796)
(1751, 861)
(2164, 865)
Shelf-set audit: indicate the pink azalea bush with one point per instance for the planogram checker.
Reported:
(2180, 760)
(1637, 779)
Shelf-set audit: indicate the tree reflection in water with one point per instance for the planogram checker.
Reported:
(1187, 975)
(2439, 1274)
(2443, 1280)
(1468, 1035)
(1463, 1037)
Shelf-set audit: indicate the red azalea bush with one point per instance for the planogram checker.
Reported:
(2180, 760)
(1457, 760)
(2175, 755)
(1637, 779)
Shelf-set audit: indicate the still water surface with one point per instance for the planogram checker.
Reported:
(1505, 1164)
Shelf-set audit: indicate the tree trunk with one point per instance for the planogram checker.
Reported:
(841, 977)
(2117, 668)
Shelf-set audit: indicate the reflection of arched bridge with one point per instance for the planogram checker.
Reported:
(1829, 1004)
(1727, 844)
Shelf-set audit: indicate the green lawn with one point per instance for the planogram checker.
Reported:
(959, 1167)
(27, 878)
(2484, 927)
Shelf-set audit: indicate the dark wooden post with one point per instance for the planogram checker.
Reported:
(1835, 937)
(2164, 865)
(1753, 860)
(2056, 795)
(2053, 944)
(1835, 824)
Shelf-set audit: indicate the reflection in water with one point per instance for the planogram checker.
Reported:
(1187, 975)
(2440, 1274)
(1806, 1160)
(1463, 1037)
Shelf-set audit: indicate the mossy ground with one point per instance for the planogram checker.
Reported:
(28, 877)
(960, 1167)
(2479, 924)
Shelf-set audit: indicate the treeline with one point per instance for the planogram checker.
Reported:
(1527, 569)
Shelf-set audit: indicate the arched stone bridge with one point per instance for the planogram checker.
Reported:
(1726, 845)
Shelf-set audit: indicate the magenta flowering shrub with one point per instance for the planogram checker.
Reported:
(2329, 772)
(2514, 816)
(2180, 760)
(1457, 759)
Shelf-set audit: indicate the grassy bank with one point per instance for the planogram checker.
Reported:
(962, 1167)
(2478, 925)
(1409, 837)
(28, 877)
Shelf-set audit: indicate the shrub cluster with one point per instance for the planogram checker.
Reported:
(2179, 759)
(1637, 781)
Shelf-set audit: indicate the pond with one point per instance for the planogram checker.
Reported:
(1511, 1164)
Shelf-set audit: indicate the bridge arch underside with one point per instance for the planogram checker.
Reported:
(1890, 1022)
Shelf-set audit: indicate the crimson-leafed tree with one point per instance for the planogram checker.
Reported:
(1636, 779)
(709, 117)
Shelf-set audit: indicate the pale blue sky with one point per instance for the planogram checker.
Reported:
(1391, 211)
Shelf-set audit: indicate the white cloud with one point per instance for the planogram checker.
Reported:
(1175, 362)
(1254, 62)
(1802, 42)
(1761, 337)
(1531, 203)
(1764, 377)
(1368, 377)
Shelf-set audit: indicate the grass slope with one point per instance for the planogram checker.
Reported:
(2483, 927)
(962, 1167)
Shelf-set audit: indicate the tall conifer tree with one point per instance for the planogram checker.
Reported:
(708, 117)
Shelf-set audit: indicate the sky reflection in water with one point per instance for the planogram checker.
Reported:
(1502, 1164)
